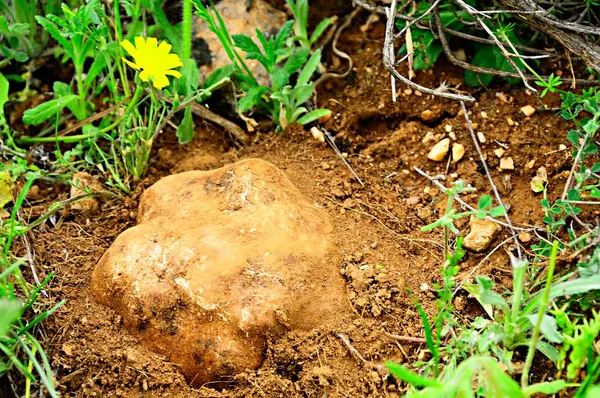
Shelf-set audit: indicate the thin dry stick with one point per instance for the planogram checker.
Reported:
(388, 61)
(407, 339)
(487, 172)
(339, 154)
(354, 351)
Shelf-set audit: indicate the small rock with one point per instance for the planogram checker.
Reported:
(510, 121)
(481, 235)
(317, 134)
(325, 166)
(448, 128)
(428, 137)
(528, 110)
(481, 137)
(525, 237)
(483, 114)
(458, 151)
(499, 152)
(562, 147)
(452, 135)
(439, 150)
(507, 164)
(475, 125)
(530, 164)
(427, 115)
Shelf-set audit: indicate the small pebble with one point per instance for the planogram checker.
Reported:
(530, 164)
(562, 147)
(507, 164)
(510, 121)
(452, 135)
(481, 137)
(483, 114)
(427, 115)
(428, 137)
(439, 151)
(525, 237)
(458, 151)
(317, 134)
(528, 110)
(448, 128)
(499, 152)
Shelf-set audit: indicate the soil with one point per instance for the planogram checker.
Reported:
(383, 255)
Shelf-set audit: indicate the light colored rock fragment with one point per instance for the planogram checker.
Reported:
(481, 137)
(528, 110)
(481, 234)
(458, 151)
(439, 151)
(428, 116)
(507, 163)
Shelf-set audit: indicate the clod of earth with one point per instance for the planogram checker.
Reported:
(481, 235)
(219, 259)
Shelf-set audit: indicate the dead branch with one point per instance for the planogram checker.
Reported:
(563, 32)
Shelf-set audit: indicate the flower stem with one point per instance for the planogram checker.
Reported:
(186, 50)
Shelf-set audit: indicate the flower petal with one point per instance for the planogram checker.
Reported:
(169, 61)
(145, 76)
(160, 81)
(140, 42)
(126, 44)
(151, 44)
(164, 47)
(173, 73)
(134, 66)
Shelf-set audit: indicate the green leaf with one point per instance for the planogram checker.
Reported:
(280, 78)
(309, 68)
(408, 376)
(487, 296)
(302, 93)
(56, 34)
(46, 110)
(6, 187)
(320, 29)
(546, 388)
(251, 98)
(548, 328)
(313, 115)
(283, 34)
(484, 202)
(10, 310)
(3, 94)
(185, 131)
(296, 61)
(497, 211)
(245, 43)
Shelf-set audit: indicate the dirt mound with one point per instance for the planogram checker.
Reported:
(218, 260)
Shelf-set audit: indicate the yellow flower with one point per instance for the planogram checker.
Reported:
(153, 61)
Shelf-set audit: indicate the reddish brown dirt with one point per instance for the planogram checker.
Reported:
(382, 253)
